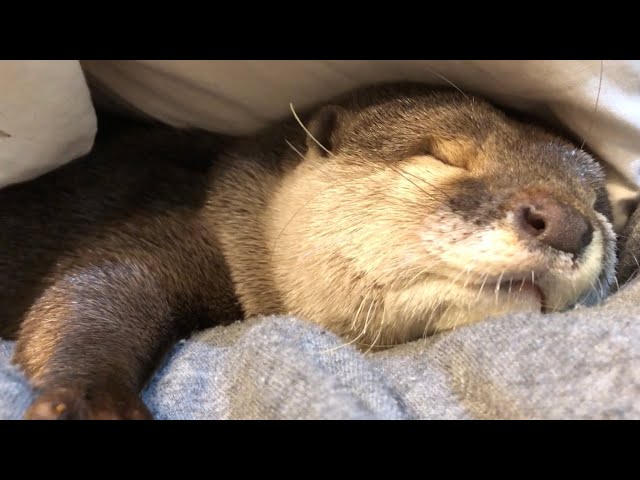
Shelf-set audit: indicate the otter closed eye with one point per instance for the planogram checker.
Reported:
(450, 154)
(391, 213)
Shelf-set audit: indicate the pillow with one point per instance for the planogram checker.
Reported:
(46, 117)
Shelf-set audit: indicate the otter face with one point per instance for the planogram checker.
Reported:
(425, 210)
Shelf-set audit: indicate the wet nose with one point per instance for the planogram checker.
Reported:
(553, 223)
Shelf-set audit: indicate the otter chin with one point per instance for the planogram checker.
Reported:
(385, 215)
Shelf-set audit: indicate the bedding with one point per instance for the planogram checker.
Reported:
(583, 364)
(579, 364)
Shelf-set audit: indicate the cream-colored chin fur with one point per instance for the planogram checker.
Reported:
(441, 304)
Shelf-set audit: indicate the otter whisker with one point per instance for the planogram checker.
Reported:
(468, 270)
(482, 286)
(635, 273)
(320, 170)
(374, 342)
(444, 315)
(592, 288)
(412, 182)
(356, 317)
(379, 333)
(573, 287)
(343, 345)
(464, 286)
(386, 345)
(448, 81)
(428, 183)
(455, 279)
(593, 116)
(300, 154)
(437, 305)
(498, 287)
(432, 317)
(366, 321)
(410, 282)
(307, 131)
(601, 287)
(632, 277)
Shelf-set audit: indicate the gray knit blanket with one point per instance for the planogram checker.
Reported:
(579, 364)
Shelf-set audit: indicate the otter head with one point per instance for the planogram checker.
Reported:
(415, 211)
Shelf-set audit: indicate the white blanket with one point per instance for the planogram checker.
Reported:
(47, 117)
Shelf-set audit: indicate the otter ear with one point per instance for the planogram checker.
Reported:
(324, 128)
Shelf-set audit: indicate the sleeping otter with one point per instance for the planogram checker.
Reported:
(391, 213)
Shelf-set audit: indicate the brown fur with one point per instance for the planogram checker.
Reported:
(106, 262)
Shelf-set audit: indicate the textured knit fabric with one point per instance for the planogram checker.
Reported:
(582, 364)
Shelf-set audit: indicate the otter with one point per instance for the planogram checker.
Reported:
(390, 213)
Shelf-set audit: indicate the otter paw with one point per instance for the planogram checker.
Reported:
(70, 404)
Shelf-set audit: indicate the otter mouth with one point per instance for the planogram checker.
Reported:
(516, 290)
(512, 289)
(525, 287)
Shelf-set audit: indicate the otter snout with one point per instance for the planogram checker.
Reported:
(552, 222)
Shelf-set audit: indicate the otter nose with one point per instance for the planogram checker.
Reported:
(553, 223)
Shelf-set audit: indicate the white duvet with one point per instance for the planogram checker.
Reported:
(47, 116)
